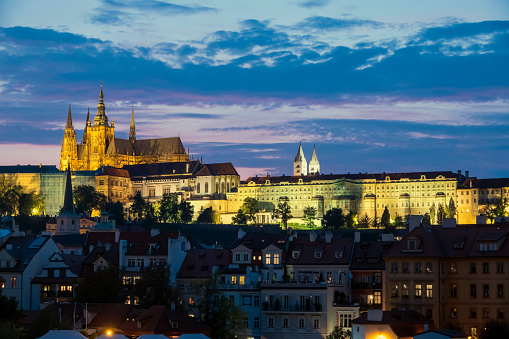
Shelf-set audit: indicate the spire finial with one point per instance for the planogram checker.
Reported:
(132, 131)
(69, 118)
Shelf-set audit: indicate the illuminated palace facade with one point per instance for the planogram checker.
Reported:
(100, 147)
(364, 193)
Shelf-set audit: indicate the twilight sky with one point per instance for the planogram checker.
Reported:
(391, 85)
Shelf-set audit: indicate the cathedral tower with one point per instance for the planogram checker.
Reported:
(300, 164)
(314, 164)
(132, 131)
(69, 148)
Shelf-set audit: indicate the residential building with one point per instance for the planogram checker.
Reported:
(455, 275)
(114, 183)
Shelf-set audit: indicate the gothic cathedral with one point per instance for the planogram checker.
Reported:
(100, 147)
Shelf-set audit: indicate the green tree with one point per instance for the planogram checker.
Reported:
(250, 207)
(240, 218)
(169, 208)
(31, 204)
(207, 216)
(440, 214)
(398, 221)
(117, 211)
(350, 219)
(219, 312)
(138, 206)
(154, 287)
(494, 329)
(186, 211)
(86, 199)
(386, 218)
(151, 212)
(432, 213)
(283, 212)
(309, 216)
(497, 210)
(9, 197)
(339, 333)
(452, 208)
(333, 219)
(102, 286)
(365, 221)
(426, 219)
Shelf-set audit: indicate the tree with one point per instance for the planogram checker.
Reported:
(250, 207)
(152, 213)
(138, 206)
(365, 221)
(333, 219)
(102, 286)
(240, 218)
(169, 208)
(283, 212)
(207, 216)
(339, 333)
(117, 211)
(386, 218)
(31, 204)
(494, 329)
(309, 216)
(154, 287)
(497, 210)
(219, 312)
(398, 221)
(9, 197)
(350, 219)
(426, 219)
(186, 211)
(440, 214)
(86, 199)
(452, 208)
(432, 213)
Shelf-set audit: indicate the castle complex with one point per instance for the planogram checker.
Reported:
(100, 147)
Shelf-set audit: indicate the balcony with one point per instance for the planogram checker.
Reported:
(297, 308)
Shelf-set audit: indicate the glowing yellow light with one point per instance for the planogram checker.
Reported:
(34, 211)
(109, 332)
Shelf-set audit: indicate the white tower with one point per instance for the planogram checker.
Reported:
(314, 164)
(300, 164)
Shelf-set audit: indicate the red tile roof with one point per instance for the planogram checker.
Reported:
(116, 172)
(328, 251)
(199, 263)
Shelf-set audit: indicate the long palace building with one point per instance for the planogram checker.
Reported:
(100, 147)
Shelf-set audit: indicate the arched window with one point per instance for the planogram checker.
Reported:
(206, 187)
(222, 187)
(228, 187)
(198, 188)
(217, 187)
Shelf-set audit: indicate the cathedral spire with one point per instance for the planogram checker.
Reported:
(87, 123)
(68, 201)
(314, 164)
(69, 118)
(132, 132)
(101, 119)
(300, 164)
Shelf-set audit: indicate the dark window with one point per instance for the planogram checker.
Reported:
(486, 291)
(454, 290)
(473, 290)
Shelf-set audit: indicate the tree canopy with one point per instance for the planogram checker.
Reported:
(102, 286)
(207, 216)
(333, 219)
(86, 199)
(240, 218)
(386, 218)
(309, 216)
(283, 211)
(250, 207)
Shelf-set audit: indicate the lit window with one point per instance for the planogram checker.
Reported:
(276, 259)
(267, 259)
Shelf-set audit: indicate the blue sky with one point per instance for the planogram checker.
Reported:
(375, 85)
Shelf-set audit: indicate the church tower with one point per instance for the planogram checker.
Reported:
(300, 164)
(68, 222)
(132, 131)
(69, 148)
(99, 135)
(314, 164)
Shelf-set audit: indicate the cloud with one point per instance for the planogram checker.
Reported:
(124, 13)
(333, 24)
(314, 3)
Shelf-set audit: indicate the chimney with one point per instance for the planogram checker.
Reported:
(107, 246)
(241, 233)
(375, 315)
(357, 237)
(459, 173)
(466, 174)
(328, 237)
(187, 168)
(312, 236)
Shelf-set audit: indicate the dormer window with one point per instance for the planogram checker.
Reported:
(318, 255)
(295, 254)
(412, 244)
(338, 254)
(487, 246)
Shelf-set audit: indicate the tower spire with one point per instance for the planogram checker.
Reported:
(87, 123)
(101, 119)
(68, 201)
(132, 132)
(314, 164)
(69, 118)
